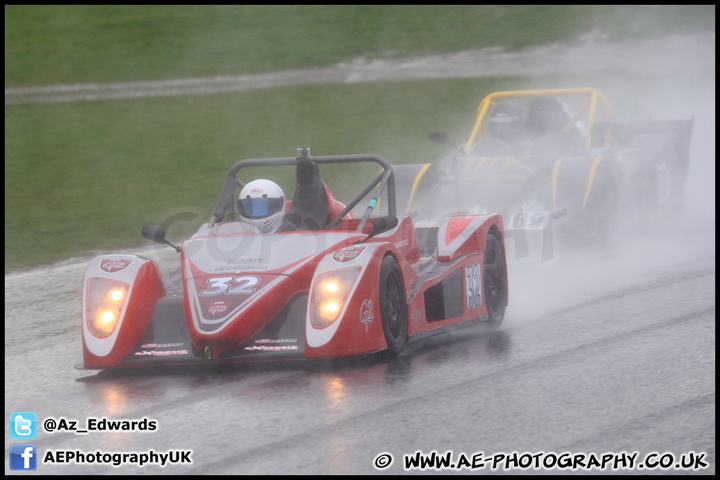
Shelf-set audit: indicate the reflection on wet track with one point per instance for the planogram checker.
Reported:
(624, 362)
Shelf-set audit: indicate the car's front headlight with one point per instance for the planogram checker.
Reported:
(105, 302)
(330, 292)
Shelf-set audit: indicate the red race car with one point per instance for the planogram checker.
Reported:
(320, 283)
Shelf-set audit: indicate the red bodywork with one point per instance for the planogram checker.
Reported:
(258, 303)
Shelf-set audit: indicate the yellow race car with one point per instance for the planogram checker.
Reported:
(553, 162)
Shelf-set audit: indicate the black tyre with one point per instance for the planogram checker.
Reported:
(601, 215)
(494, 281)
(393, 305)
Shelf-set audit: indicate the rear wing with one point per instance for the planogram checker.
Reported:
(624, 132)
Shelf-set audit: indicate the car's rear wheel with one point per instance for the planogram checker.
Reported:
(494, 281)
(393, 305)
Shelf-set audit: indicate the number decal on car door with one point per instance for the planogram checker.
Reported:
(472, 282)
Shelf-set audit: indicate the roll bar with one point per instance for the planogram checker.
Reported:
(593, 98)
(386, 180)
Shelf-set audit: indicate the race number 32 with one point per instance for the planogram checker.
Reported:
(231, 286)
(472, 281)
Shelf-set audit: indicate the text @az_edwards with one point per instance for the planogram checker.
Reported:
(99, 424)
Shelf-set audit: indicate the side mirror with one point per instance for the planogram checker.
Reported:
(440, 137)
(380, 225)
(154, 233)
(157, 234)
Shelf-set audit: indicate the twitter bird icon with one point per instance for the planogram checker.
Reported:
(23, 425)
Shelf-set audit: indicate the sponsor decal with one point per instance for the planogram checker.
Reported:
(474, 293)
(162, 353)
(347, 254)
(366, 315)
(162, 345)
(256, 190)
(416, 314)
(218, 307)
(402, 243)
(112, 265)
(276, 340)
(271, 348)
(240, 265)
(241, 268)
(244, 261)
(422, 266)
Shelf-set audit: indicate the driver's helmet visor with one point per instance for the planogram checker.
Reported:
(505, 125)
(260, 207)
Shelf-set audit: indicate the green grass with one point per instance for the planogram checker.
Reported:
(87, 175)
(90, 43)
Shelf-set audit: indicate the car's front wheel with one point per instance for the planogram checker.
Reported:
(393, 305)
(494, 281)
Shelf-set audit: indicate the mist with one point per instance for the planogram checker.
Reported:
(677, 82)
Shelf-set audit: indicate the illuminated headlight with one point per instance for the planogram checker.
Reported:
(330, 292)
(105, 303)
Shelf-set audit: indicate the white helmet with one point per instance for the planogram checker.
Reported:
(506, 119)
(262, 204)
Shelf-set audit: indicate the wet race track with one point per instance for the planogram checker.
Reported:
(611, 352)
(602, 352)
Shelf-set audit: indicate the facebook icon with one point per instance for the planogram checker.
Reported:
(23, 456)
